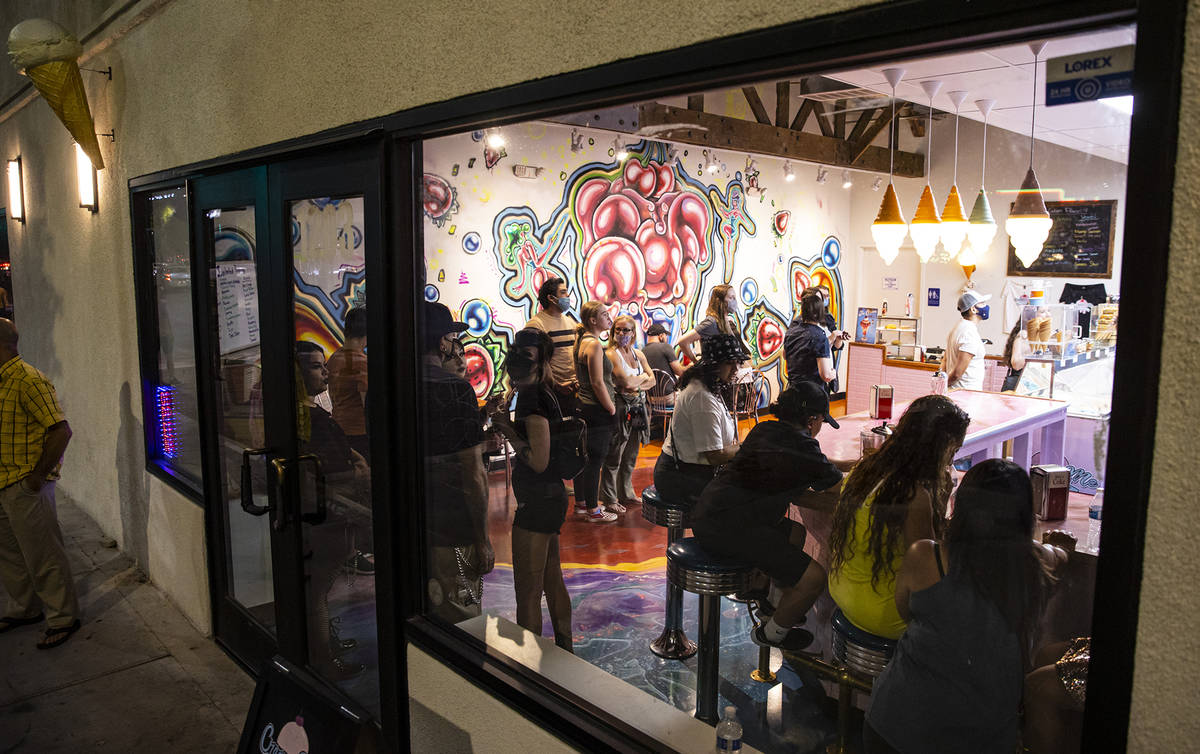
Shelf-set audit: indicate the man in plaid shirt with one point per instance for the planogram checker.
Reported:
(33, 563)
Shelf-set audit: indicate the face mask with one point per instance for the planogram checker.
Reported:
(519, 366)
(624, 340)
(984, 310)
(564, 303)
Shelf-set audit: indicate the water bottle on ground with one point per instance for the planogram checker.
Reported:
(729, 732)
(1094, 511)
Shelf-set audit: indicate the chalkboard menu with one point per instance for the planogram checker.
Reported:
(291, 713)
(1080, 244)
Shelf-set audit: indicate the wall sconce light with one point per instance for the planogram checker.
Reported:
(878, 183)
(822, 175)
(495, 139)
(789, 174)
(710, 161)
(846, 181)
(16, 192)
(85, 176)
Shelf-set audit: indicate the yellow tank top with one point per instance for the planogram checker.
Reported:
(870, 608)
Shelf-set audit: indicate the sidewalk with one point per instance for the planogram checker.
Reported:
(136, 678)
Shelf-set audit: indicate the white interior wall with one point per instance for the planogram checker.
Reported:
(1078, 175)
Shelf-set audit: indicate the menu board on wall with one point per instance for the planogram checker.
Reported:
(1080, 244)
(237, 306)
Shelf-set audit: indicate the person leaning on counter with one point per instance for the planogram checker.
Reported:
(963, 361)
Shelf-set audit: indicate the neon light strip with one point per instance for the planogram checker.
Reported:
(168, 435)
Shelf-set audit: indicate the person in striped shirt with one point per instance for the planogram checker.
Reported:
(33, 562)
(553, 320)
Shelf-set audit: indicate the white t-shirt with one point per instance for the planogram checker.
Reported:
(964, 338)
(701, 422)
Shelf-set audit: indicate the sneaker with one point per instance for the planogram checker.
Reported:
(362, 563)
(615, 507)
(581, 509)
(601, 516)
(795, 640)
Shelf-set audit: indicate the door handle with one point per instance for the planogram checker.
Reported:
(248, 504)
(319, 516)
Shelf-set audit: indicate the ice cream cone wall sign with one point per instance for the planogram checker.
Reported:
(48, 54)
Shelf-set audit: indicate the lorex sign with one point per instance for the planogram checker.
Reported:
(1089, 76)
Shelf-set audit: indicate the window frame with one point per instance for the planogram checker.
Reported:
(149, 339)
(912, 29)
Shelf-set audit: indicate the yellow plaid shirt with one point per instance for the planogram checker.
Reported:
(28, 407)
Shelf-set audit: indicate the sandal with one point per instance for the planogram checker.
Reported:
(8, 623)
(615, 507)
(56, 637)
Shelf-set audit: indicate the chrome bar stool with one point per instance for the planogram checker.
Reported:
(861, 652)
(694, 570)
(673, 643)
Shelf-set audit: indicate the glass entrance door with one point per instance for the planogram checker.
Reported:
(290, 480)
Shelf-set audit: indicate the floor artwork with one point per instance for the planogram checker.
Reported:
(617, 612)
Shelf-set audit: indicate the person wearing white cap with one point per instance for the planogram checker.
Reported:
(963, 361)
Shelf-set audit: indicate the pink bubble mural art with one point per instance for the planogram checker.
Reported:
(638, 234)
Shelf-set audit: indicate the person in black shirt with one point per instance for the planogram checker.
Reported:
(806, 347)
(347, 480)
(456, 493)
(541, 494)
(742, 513)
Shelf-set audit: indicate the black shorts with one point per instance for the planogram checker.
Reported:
(768, 547)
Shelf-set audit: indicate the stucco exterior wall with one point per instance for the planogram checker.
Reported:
(202, 78)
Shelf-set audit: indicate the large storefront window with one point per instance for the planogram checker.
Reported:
(696, 280)
(172, 418)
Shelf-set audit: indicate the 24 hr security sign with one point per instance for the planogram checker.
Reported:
(1089, 76)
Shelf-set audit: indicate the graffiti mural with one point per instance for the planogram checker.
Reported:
(631, 225)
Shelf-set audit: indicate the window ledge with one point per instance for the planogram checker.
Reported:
(674, 729)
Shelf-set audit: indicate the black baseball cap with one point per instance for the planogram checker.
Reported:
(438, 321)
(805, 399)
(657, 329)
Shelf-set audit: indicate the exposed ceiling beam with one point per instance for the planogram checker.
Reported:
(756, 104)
(860, 146)
(783, 102)
(696, 102)
(720, 132)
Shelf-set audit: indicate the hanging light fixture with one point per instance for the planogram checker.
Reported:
(1028, 222)
(889, 228)
(954, 222)
(925, 228)
(982, 228)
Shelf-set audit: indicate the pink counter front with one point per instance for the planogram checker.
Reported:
(995, 418)
(868, 365)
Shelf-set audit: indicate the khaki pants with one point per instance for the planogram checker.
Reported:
(33, 562)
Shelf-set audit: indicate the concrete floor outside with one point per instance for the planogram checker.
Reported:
(137, 677)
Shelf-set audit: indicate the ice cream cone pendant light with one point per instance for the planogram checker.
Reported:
(1028, 222)
(925, 228)
(889, 228)
(982, 228)
(48, 54)
(954, 222)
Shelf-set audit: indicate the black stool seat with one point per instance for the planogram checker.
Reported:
(861, 651)
(693, 569)
(660, 512)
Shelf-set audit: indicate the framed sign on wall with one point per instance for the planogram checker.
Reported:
(1080, 244)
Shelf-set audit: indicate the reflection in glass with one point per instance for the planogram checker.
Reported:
(175, 432)
(335, 481)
